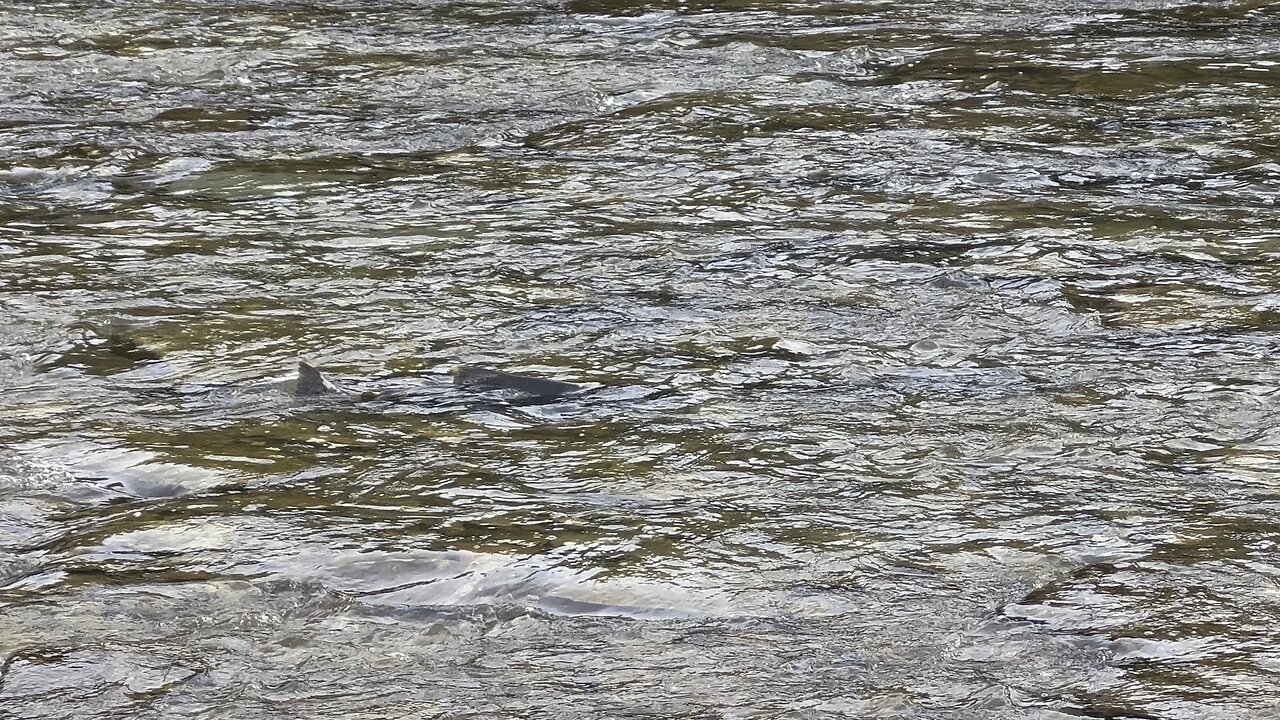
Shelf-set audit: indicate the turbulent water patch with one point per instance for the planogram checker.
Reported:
(929, 356)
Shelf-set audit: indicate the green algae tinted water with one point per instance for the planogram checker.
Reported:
(931, 351)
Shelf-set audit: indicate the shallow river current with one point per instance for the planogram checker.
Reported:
(932, 346)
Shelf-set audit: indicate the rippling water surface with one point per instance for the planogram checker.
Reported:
(933, 346)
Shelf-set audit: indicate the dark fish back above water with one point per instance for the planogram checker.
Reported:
(487, 379)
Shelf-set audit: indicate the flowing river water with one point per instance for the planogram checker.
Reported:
(933, 349)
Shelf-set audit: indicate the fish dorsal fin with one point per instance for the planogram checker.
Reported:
(311, 382)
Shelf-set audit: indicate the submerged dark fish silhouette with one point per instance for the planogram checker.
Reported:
(120, 339)
(311, 382)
